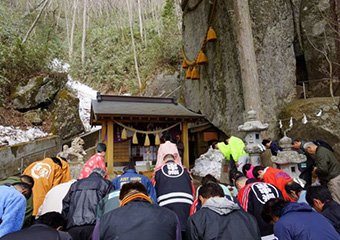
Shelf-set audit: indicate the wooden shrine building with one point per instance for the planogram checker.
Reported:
(133, 126)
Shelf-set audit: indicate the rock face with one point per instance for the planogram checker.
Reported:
(35, 117)
(65, 115)
(287, 36)
(315, 20)
(325, 127)
(320, 41)
(163, 82)
(38, 91)
(218, 93)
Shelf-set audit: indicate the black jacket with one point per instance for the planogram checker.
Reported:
(331, 210)
(139, 219)
(80, 203)
(252, 198)
(37, 232)
(175, 189)
(233, 224)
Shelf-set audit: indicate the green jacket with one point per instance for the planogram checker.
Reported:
(108, 203)
(225, 149)
(327, 165)
(235, 148)
(29, 202)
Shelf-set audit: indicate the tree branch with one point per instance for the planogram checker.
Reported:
(35, 22)
(33, 9)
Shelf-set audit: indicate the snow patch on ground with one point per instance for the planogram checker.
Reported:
(85, 95)
(10, 135)
(14, 135)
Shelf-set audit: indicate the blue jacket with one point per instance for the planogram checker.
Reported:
(299, 222)
(132, 176)
(12, 209)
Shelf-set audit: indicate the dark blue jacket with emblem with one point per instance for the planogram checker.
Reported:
(175, 189)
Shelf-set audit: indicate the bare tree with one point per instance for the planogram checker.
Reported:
(84, 35)
(133, 43)
(67, 23)
(70, 50)
(140, 21)
(35, 22)
(32, 9)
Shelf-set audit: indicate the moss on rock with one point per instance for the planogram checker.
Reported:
(65, 115)
(37, 91)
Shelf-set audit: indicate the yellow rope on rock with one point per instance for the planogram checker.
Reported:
(188, 62)
(204, 43)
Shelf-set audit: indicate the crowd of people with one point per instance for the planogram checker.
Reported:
(260, 202)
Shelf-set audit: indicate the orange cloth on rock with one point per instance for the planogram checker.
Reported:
(279, 179)
(46, 175)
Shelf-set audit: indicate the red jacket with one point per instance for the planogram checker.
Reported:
(279, 179)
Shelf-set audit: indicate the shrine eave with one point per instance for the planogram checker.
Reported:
(139, 109)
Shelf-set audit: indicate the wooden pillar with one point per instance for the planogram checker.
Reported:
(103, 132)
(109, 150)
(185, 136)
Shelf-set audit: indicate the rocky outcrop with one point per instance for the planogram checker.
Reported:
(36, 117)
(218, 93)
(163, 82)
(37, 91)
(325, 126)
(317, 35)
(273, 32)
(65, 115)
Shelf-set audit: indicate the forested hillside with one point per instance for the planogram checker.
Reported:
(112, 46)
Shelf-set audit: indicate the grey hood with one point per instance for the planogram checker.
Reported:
(221, 205)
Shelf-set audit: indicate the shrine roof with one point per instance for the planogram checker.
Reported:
(142, 108)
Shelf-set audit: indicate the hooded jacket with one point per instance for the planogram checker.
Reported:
(220, 218)
(29, 202)
(299, 222)
(12, 209)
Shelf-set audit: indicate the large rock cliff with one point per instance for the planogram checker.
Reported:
(287, 36)
(218, 93)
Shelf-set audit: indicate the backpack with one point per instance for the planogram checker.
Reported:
(322, 143)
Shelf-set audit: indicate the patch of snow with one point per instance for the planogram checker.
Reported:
(59, 66)
(85, 95)
(209, 163)
(14, 135)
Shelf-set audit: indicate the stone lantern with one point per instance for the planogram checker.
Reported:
(253, 129)
(288, 159)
